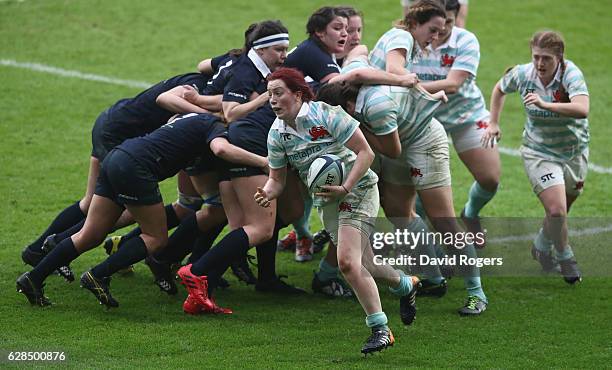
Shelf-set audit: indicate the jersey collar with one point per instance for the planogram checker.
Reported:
(259, 63)
(451, 42)
(283, 128)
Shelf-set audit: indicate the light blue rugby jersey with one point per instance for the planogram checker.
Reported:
(384, 109)
(460, 52)
(395, 38)
(321, 129)
(545, 131)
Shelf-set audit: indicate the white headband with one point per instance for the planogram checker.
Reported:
(278, 39)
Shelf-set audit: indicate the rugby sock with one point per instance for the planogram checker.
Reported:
(471, 275)
(405, 285)
(61, 255)
(266, 257)
(565, 255)
(66, 218)
(377, 320)
(430, 271)
(172, 221)
(69, 232)
(477, 198)
(302, 226)
(326, 271)
(204, 242)
(184, 235)
(132, 251)
(542, 243)
(235, 243)
(418, 205)
(266, 254)
(474, 287)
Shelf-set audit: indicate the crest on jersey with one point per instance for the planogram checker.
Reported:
(481, 125)
(447, 60)
(318, 132)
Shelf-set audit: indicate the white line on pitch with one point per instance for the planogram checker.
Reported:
(74, 74)
(592, 166)
(572, 233)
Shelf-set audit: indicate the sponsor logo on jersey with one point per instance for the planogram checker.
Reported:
(447, 60)
(318, 132)
(286, 137)
(237, 95)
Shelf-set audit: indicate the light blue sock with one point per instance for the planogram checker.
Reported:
(477, 199)
(542, 243)
(405, 285)
(420, 210)
(474, 287)
(377, 320)
(565, 255)
(326, 271)
(302, 226)
(431, 272)
(471, 281)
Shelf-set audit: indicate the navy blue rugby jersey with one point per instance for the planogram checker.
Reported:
(314, 62)
(244, 78)
(221, 67)
(176, 144)
(137, 116)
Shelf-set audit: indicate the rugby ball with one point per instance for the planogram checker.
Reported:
(327, 169)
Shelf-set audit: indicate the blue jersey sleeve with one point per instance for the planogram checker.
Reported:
(312, 61)
(242, 83)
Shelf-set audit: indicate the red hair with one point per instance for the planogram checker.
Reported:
(294, 80)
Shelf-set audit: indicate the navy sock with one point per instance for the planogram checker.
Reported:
(204, 242)
(266, 259)
(69, 232)
(61, 255)
(235, 243)
(66, 218)
(132, 251)
(172, 221)
(181, 240)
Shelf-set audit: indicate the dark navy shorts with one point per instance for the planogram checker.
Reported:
(203, 165)
(101, 141)
(248, 136)
(123, 180)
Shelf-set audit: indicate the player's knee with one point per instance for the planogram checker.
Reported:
(556, 210)
(489, 182)
(155, 243)
(347, 266)
(260, 234)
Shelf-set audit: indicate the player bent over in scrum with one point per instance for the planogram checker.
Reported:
(129, 179)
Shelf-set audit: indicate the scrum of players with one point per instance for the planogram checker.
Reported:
(242, 131)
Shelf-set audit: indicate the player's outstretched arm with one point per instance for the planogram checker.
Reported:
(231, 153)
(273, 187)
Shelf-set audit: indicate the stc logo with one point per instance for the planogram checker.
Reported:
(546, 177)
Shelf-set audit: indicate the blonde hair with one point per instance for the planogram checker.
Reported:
(552, 41)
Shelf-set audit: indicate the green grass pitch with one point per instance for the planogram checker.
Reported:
(45, 125)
